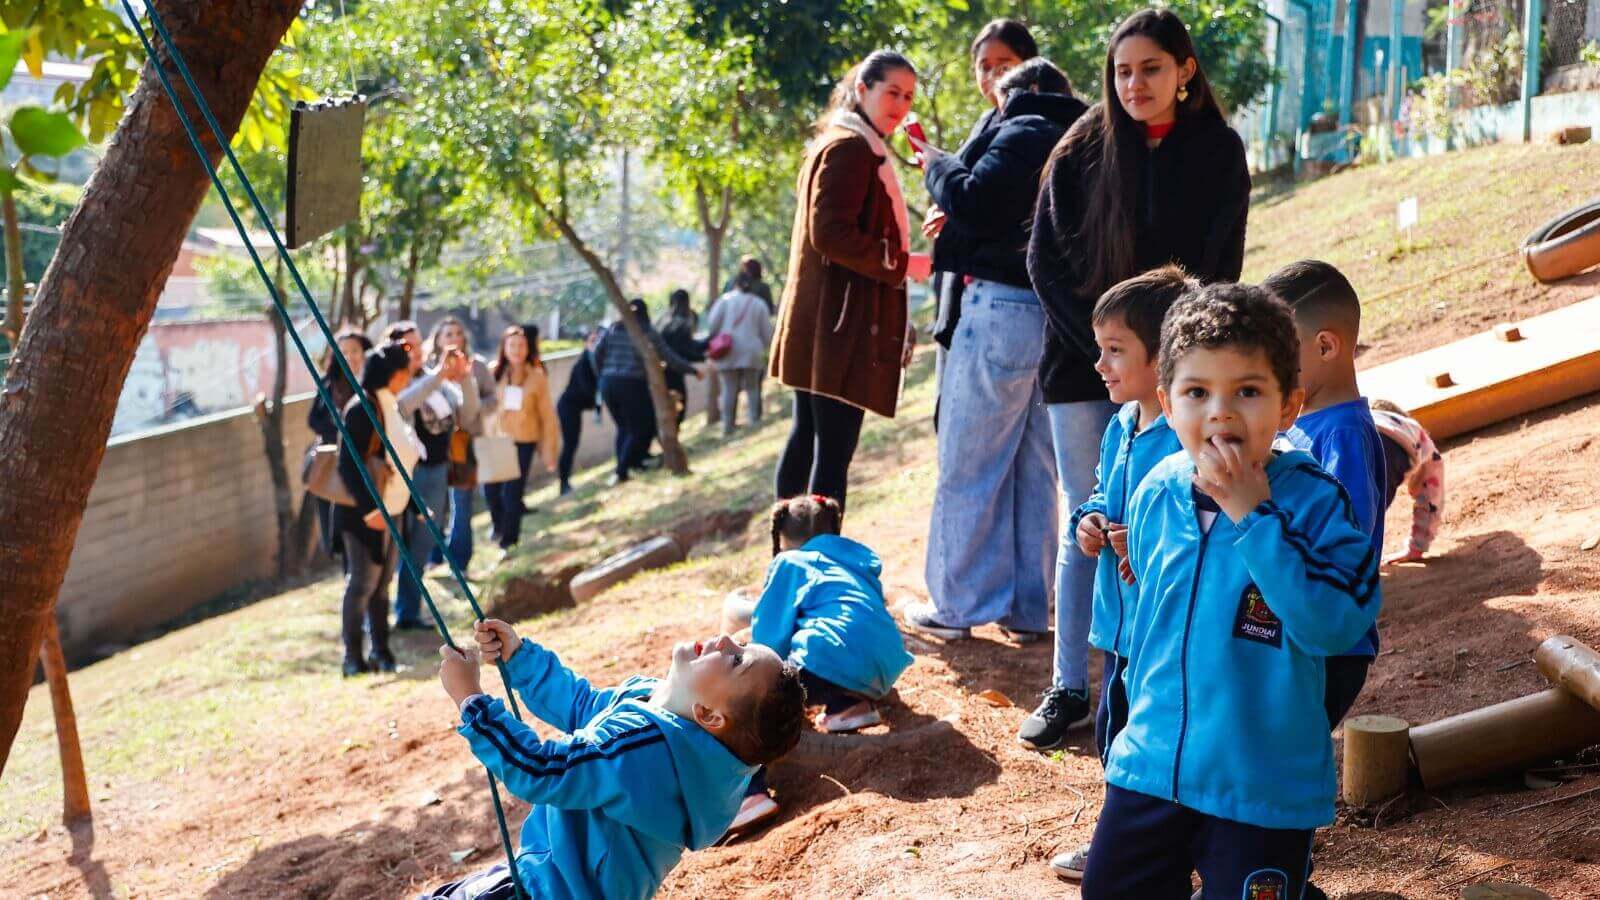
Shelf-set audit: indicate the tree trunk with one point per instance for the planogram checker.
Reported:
(673, 457)
(74, 783)
(100, 291)
(16, 278)
(270, 418)
(352, 264)
(410, 288)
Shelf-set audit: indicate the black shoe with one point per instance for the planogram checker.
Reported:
(1060, 710)
(618, 478)
(354, 667)
(566, 488)
(381, 661)
(412, 625)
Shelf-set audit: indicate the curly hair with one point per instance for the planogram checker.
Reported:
(802, 518)
(1236, 316)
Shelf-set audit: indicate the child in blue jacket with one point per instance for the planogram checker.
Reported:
(643, 771)
(1127, 328)
(1252, 570)
(822, 610)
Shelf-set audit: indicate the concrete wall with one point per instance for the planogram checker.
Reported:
(182, 513)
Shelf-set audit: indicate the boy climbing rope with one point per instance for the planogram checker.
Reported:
(646, 769)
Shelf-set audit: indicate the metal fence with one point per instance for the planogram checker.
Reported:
(1399, 71)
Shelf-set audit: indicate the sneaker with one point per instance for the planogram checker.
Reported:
(380, 661)
(354, 667)
(1023, 637)
(862, 715)
(1070, 865)
(920, 616)
(1060, 710)
(756, 809)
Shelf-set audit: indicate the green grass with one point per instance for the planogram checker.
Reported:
(1475, 204)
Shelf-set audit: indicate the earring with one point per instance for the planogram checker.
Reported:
(1183, 92)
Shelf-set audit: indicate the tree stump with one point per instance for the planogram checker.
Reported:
(1377, 759)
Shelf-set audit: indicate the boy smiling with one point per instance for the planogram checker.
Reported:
(1251, 571)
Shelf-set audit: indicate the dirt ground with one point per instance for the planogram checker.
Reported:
(375, 806)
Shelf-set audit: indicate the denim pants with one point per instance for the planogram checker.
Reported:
(735, 381)
(993, 533)
(1076, 429)
(506, 506)
(460, 536)
(432, 482)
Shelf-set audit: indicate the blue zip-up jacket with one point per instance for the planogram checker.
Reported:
(823, 609)
(1126, 456)
(1226, 669)
(616, 801)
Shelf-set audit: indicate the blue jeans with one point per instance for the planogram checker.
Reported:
(460, 527)
(994, 511)
(1077, 429)
(432, 482)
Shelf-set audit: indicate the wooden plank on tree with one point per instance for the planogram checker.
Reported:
(324, 168)
(1556, 357)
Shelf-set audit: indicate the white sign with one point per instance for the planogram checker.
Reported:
(1406, 213)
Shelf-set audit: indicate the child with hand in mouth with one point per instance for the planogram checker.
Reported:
(1251, 571)
(642, 771)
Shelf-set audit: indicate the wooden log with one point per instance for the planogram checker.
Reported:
(1569, 663)
(655, 553)
(1377, 759)
(1503, 737)
(1508, 333)
(74, 784)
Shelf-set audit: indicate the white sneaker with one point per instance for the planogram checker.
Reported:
(921, 617)
(1070, 865)
(862, 715)
(755, 809)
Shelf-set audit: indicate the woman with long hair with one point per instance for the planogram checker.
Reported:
(353, 346)
(677, 329)
(992, 536)
(1151, 175)
(370, 554)
(528, 417)
(843, 333)
(451, 333)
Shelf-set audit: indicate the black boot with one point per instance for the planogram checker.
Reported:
(381, 660)
(354, 666)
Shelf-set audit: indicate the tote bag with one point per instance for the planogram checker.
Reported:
(497, 459)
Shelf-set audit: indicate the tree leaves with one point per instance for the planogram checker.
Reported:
(38, 132)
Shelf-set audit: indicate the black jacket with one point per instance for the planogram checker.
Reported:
(583, 385)
(1194, 194)
(987, 190)
(679, 335)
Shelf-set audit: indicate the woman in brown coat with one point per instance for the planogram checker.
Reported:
(843, 335)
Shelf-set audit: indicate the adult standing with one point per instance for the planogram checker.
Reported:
(843, 330)
(627, 393)
(369, 551)
(677, 331)
(751, 266)
(992, 537)
(1000, 46)
(1151, 175)
(581, 395)
(437, 402)
(449, 333)
(353, 346)
(528, 417)
(743, 316)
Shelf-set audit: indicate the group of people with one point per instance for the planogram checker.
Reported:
(1221, 480)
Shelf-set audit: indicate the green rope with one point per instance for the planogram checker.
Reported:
(305, 356)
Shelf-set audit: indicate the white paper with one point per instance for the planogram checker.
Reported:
(512, 398)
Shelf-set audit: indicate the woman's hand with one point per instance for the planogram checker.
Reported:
(933, 222)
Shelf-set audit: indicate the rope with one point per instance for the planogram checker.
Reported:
(349, 49)
(305, 356)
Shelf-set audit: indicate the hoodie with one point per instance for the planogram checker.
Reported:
(618, 798)
(1126, 456)
(823, 610)
(1228, 641)
(988, 188)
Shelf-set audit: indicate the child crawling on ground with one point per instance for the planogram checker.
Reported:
(644, 770)
(822, 610)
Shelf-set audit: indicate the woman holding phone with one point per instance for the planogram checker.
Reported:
(843, 332)
(369, 550)
(1151, 175)
(992, 537)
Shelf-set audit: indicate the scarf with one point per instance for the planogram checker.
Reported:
(850, 120)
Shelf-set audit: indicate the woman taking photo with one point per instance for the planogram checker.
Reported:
(369, 549)
(451, 334)
(843, 333)
(528, 417)
(1151, 175)
(993, 531)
